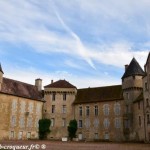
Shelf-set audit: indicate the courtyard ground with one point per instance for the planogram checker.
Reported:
(58, 145)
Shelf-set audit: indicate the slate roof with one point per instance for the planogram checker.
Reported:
(60, 84)
(17, 88)
(133, 69)
(99, 94)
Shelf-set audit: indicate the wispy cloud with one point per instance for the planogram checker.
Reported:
(99, 33)
(80, 48)
(28, 75)
(36, 27)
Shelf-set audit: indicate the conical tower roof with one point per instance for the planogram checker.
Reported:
(133, 69)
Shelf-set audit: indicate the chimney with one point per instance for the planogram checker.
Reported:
(38, 84)
(126, 66)
(51, 81)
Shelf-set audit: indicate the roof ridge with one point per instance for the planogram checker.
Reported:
(19, 81)
(60, 83)
(101, 87)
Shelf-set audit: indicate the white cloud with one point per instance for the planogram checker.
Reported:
(39, 26)
(28, 75)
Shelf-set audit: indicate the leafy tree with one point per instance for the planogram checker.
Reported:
(44, 125)
(72, 128)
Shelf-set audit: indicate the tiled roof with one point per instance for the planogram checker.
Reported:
(17, 88)
(133, 69)
(99, 94)
(60, 84)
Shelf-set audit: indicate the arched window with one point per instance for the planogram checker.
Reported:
(87, 123)
(117, 109)
(96, 123)
(106, 109)
(106, 123)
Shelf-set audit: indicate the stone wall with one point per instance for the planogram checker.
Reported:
(19, 117)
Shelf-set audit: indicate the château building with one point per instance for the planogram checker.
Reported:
(111, 113)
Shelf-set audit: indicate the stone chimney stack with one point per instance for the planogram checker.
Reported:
(126, 66)
(1, 76)
(52, 81)
(38, 84)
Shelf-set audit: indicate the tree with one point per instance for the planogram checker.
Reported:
(72, 128)
(44, 125)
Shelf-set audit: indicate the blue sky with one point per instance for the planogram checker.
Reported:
(86, 42)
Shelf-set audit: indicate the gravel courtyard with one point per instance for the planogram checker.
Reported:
(58, 145)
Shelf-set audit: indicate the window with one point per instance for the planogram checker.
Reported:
(12, 134)
(53, 109)
(38, 108)
(63, 122)
(96, 123)
(14, 106)
(53, 96)
(140, 121)
(22, 107)
(13, 121)
(106, 123)
(148, 119)
(64, 109)
(117, 109)
(80, 123)
(117, 123)
(37, 122)
(96, 110)
(87, 110)
(127, 124)
(52, 122)
(87, 123)
(106, 136)
(29, 122)
(106, 109)
(139, 105)
(28, 135)
(64, 96)
(22, 122)
(20, 135)
(80, 110)
(147, 103)
(146, 86)
(30, 108)
(127, 109)
(96, 136)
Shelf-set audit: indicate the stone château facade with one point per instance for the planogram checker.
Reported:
(111, 113)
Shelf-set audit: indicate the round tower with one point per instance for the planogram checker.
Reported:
(132, 87)
(132, 81)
